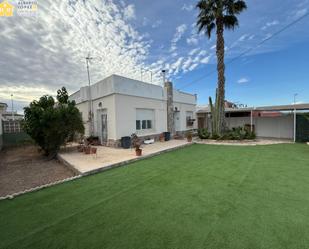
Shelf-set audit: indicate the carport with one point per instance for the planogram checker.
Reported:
(282, 121)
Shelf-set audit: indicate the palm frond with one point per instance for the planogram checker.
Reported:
(230, 21)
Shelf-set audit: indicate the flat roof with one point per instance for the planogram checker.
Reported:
(3, 104)
(300, 107)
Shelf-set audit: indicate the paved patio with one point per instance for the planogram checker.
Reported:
(108, 157)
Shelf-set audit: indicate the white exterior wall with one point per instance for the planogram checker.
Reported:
(272, 127)
(108, 105)
(275, 127)
(126, 115)
(120, 97)
(183, 109)
(237, 122)
(83, 108)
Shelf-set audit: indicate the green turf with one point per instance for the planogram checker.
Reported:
(202, 196)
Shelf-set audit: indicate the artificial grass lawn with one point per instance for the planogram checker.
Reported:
(202, 196)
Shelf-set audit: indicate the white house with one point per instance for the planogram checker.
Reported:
(123, 106)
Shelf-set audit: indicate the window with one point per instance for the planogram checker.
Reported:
(189, 119)
(144, 125)
(138, 124)
(144, 119)
(149, 124)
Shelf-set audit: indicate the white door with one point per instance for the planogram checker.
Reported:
(102, 126)
(177, 121)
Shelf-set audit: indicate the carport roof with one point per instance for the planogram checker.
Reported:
(300, 107)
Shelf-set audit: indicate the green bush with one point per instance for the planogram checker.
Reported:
(238, 133)
(203, 133)
(50, 124)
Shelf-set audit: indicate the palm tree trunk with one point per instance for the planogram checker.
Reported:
(221, 77)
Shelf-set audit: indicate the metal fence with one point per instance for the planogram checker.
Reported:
(13, 134)
(12, 126)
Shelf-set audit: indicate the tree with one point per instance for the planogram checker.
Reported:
(50, 124)
(219, 15)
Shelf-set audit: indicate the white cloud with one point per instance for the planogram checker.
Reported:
(50, 52)
(300, 13)
(187, 7)
(270, 24)
(194, 51)
(192, 41)
(129, 12)
(205, 60)
(156, 24)
(243, 80)
(180, 30)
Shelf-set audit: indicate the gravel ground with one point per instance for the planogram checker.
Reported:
(25, 167)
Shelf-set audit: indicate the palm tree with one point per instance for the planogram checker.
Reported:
(219, 15)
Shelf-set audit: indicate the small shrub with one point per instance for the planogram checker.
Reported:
(215, 136)
(203, 133)
(238, 133)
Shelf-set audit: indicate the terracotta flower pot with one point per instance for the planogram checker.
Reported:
(189, 139)
(138, 152)
(94, 150)
(87, 150)
(80, 148)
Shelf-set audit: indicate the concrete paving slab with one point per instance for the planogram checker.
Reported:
(108, 157)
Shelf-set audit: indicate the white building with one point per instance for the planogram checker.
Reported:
(123, 106)
(280, 122)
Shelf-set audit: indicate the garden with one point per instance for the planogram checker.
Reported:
(201, 196)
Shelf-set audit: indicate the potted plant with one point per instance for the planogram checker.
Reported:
(93, 140)
(136, 143)
(80, 148)
(189, 136)
(87, 149)
(162, 137)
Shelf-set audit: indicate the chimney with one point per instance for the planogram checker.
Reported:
(170, 107)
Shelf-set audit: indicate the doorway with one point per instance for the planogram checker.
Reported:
(102, 125)
(177, 121)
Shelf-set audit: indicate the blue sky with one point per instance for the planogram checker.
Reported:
(270, 74)
(48, 51)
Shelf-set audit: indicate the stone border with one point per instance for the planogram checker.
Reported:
(92, 172)
(11, 196)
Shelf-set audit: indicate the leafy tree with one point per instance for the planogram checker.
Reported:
(219, 15)
(50, 124)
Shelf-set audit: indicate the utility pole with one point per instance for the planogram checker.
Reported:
(295, 95)
(13, 117)
(90, 104)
